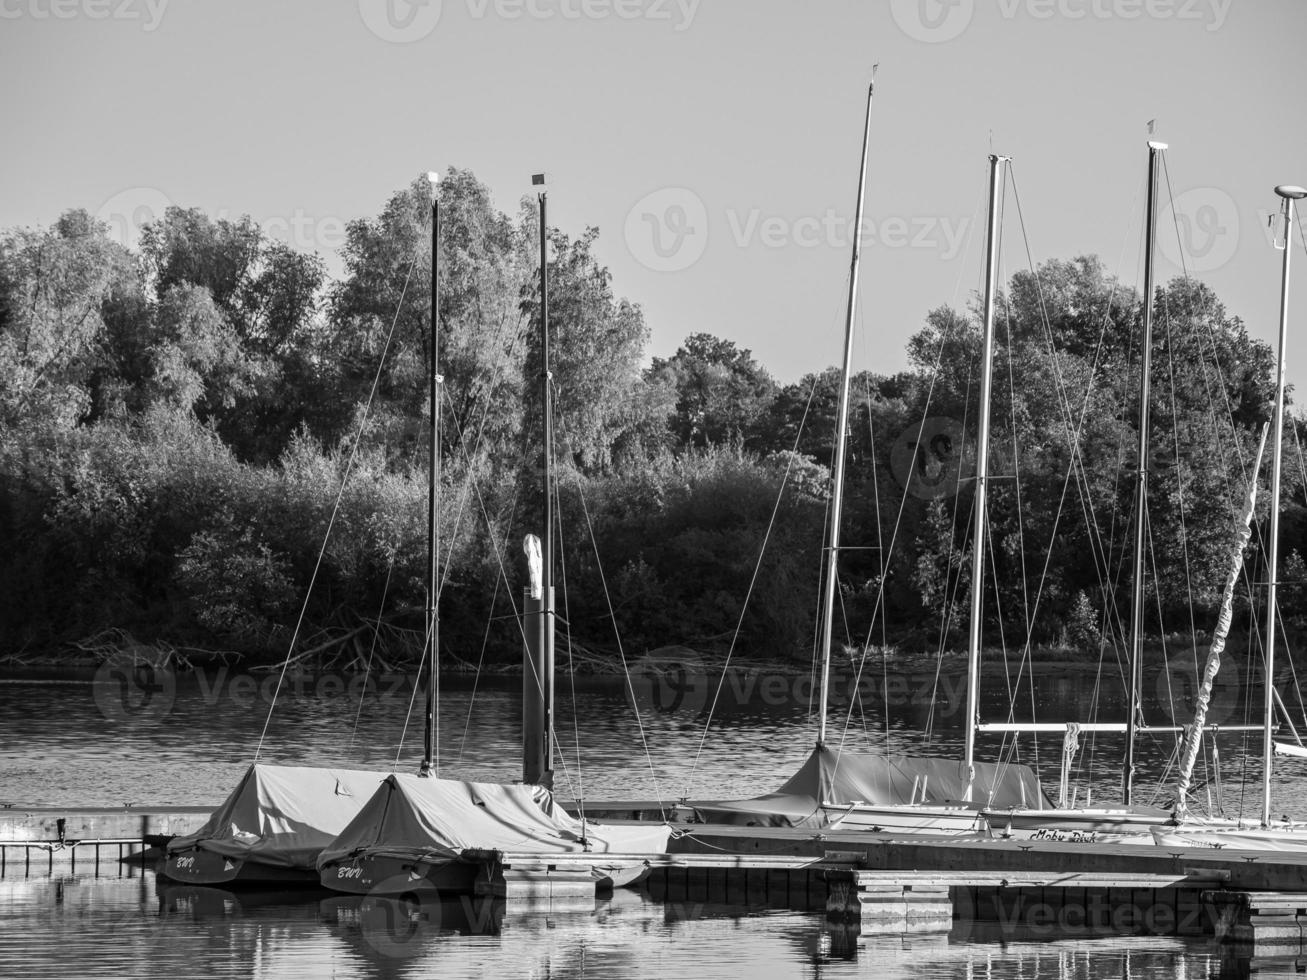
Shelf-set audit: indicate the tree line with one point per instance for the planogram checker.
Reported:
(183, 423)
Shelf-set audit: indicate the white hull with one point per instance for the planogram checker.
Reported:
(905, 818)
(1285, 839)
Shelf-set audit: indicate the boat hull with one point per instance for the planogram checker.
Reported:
(1081, 824)
(368, 874)
(925, 819)
(197, 866)
(1287, 840)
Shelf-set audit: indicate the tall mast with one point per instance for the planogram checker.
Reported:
(1133, 710)
(538, 680)
(841, 437)
(1290, 194)
(429, 751)
(996, 165)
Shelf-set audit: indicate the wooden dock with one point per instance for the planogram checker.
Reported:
(871, 882)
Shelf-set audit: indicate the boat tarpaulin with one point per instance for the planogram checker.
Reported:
(417, 817)
(842, 778)
(283, 815)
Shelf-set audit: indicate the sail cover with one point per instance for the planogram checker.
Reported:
(283, 815)
(884, 780)
(424, 818)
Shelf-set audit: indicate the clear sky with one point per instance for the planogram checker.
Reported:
(714, 142)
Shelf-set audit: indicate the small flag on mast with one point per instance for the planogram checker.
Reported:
(1152, 126)
(537, 180)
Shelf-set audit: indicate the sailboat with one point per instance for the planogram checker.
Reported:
(276, 822)
(890, 793)
(427, 831)
(1270, 835)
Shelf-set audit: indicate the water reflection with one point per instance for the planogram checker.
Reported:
(72, 926)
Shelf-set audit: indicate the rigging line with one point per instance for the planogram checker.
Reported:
(571, 664)
(1179, 481)
(340, 495)
(1073, 431)
(576, 786)
(871, 462)
(880, 552)
(744, 607)
(367, 669)
(1216, 359)
(473, 487)
(898, 520)
(412, 698)
(887, 554)
(1012, 691)
(612, 615)
(954, 570)
(481, 658)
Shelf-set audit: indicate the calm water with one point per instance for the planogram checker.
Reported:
(133, 927)
(186, 739)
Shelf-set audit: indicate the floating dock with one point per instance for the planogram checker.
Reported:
(876, 883)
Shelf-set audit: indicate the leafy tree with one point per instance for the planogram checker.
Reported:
(722, 392)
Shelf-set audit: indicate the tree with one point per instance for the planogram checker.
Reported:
(56, 286)
(722, 393)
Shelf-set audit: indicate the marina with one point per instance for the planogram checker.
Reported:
(407, 605)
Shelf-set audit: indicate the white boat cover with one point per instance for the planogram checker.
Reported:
(885, 780)
(425, 818)
(283, 815)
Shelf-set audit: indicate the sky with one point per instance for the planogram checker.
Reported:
(714, 143)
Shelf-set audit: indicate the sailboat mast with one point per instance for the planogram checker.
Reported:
(429, 753)
(547, 544)
(1133, 709)
(841, 438)
(1289, 194)
(996, 165)
(538, 677)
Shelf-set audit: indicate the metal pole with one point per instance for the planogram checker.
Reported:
(1133, 710)
(831, 585)
(1290, 194)
(996, 164)
(540, 743)
(429, 750)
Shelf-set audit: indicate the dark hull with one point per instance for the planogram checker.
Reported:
(375, 875)
(197, 866)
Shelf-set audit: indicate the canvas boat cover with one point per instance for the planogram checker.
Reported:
(425, 818)
(835, 777)
(283, 815)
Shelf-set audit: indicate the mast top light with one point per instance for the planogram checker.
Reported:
(1291, 192)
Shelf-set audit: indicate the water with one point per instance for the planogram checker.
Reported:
(135, 927)
(162, 739)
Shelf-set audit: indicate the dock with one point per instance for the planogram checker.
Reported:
(872, 883)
